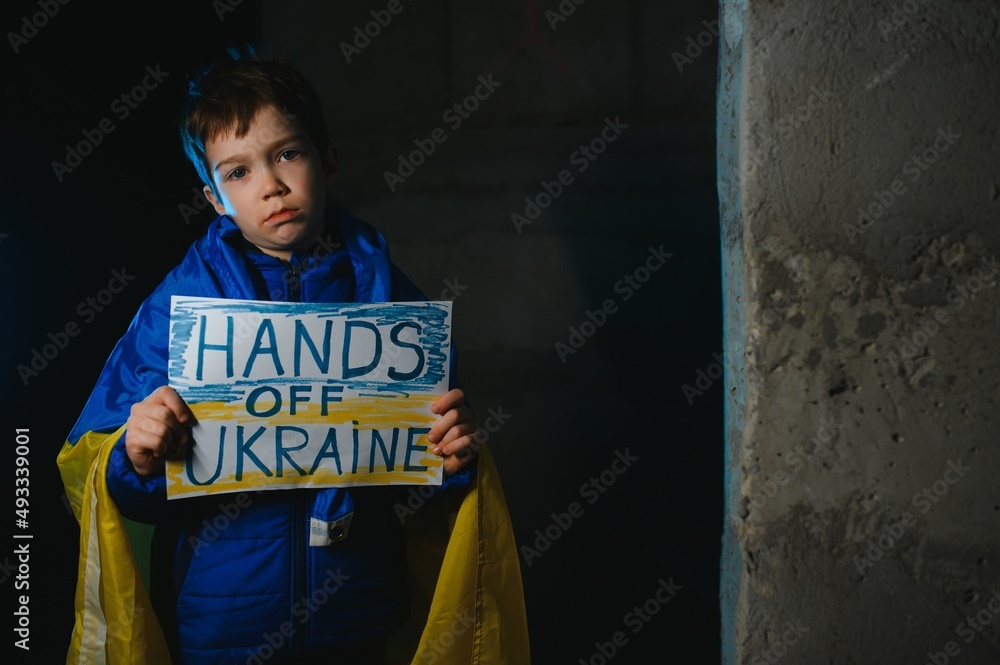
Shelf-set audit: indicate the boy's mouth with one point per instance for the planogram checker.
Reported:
(282, 215)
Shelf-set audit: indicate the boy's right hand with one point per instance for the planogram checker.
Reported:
(157, 430)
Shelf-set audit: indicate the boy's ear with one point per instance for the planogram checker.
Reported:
(330, 162)
(219, 208)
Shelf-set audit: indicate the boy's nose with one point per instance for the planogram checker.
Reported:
(274, 186)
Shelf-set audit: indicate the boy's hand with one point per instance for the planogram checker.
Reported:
(156, 431)
(453, 434)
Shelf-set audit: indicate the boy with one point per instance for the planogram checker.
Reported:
(299, 575)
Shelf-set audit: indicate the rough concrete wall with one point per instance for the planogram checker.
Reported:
(869, 511)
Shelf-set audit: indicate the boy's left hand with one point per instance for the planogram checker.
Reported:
(452, 436)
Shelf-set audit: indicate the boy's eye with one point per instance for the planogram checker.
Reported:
(290, 154)
(237, 173)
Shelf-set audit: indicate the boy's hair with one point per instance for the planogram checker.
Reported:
(227, 94)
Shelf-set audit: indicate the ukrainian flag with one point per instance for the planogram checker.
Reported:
(467, 590)
(468, 596)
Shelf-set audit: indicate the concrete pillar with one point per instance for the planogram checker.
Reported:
(859, 191)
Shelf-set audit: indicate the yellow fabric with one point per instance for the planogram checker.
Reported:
(115, 623)
(464, 566)
(468, 602)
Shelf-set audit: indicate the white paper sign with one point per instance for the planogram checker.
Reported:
(307, 395)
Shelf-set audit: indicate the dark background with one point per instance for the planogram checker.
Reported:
(623, 389)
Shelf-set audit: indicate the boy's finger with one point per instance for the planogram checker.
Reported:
(143, 447)
(448, 420)
(452, 417)
(452, 439)
(448, 401)
(455, 463)
(173, 401)
(149, 466)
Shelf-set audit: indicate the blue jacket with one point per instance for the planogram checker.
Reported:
(237, 578)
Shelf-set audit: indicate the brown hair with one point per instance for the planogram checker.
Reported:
(227, 94)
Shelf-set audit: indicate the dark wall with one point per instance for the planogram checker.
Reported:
(450, 222)
(64, 239)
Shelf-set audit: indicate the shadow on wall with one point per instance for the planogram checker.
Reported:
(550, 168)
(552, 176)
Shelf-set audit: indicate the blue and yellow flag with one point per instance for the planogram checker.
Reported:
(468, 600)
(465, 573)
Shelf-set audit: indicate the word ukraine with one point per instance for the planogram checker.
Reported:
(307, 395)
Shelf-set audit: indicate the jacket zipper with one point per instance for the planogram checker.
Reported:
(300, 574)
(300, 511)
(294, 280)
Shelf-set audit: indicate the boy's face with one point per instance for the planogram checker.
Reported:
(271, 182)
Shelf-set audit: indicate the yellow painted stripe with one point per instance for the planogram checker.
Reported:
(370, 412)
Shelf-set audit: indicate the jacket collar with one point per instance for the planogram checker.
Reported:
(224, 248)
